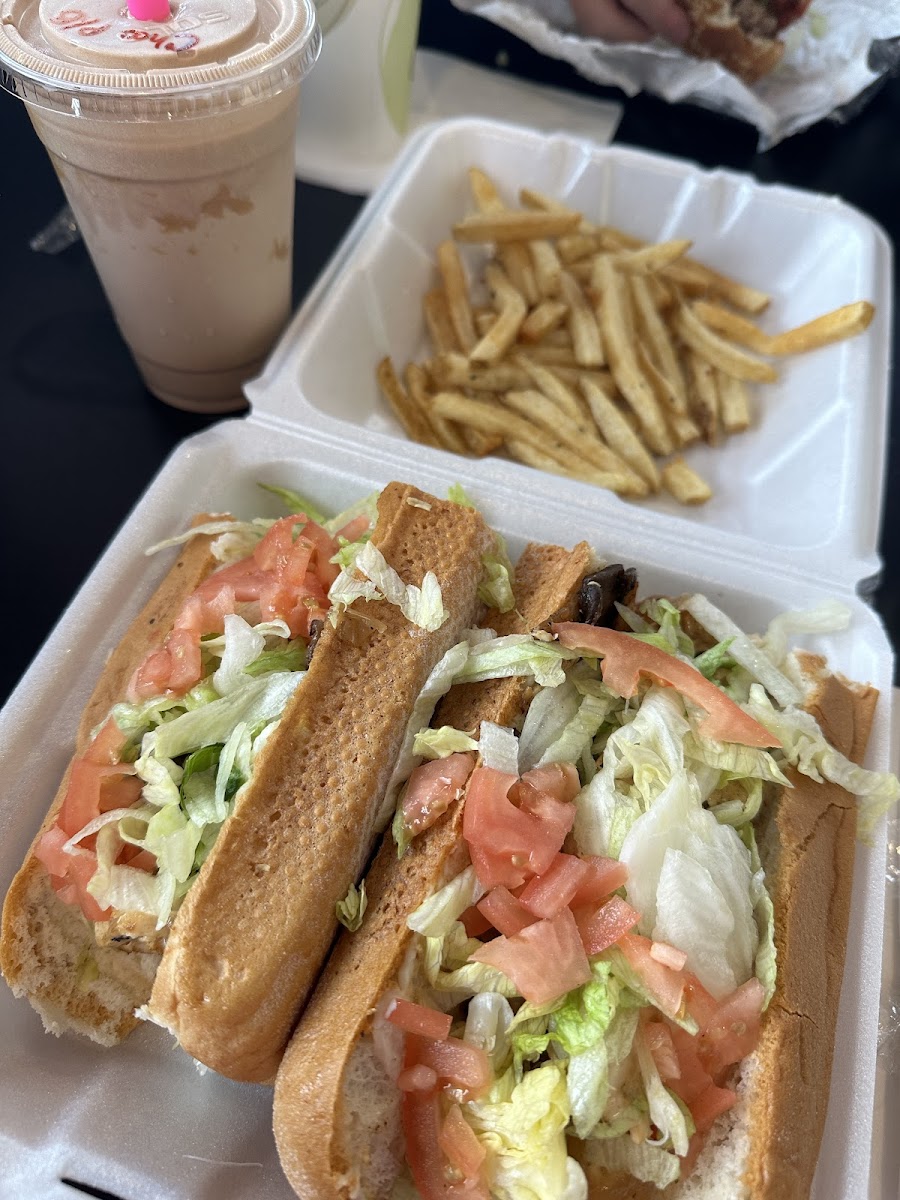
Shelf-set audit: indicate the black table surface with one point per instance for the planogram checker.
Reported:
(80, 437)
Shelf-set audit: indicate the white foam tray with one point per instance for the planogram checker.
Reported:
(139, 1120)
(806, 480)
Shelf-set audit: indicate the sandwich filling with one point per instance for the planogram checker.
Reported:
(600, 969)
(147, 799)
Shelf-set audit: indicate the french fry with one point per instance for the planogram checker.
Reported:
(547, 267)
(697, 279)
(735, 327)
(734, 404)
(683, 427)
(437, 321)
(616, 239)
(553, 388)
(623, 361)
(549, 356)
(539, 200)
(576, 246)
(586, 338)
(484, 321)
(511, 313)
(842, 323)
(513, 226)
(454, 371)
(721, 353)
(456, 290)
(704, 397)
(684, 483)
(515, 258)
(543, 319)
(582, 442)
(655, 337)
(407, 412)
(619, 435)
(477, 441)
(650, 259)
(565, 464)
(447, 435)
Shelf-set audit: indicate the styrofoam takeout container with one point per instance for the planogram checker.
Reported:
(139, 1120)
(807, 478)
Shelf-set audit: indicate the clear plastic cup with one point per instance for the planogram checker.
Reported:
(174, 144)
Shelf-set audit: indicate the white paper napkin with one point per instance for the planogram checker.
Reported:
(826, 62)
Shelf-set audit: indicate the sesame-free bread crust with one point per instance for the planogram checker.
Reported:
(767, 1146)
(256, 926)
(336, 1115)
(48, 951)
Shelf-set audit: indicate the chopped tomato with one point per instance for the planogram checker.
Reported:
(141, 860)
(416, 1018)
(119, 791)
(711, 1104)
(354, 529)
(659, 1042)
(733, 1030)
(461, 1145)
(49, 851)
(506, 843)
(544, 961)
(475, 923)
(107, 745)
(422, 1128)
(605, 926)
(433, 787)
(80, 870)
(417, 1079)
(604, 876)
(548, 894)
(454, 1061)
(693, 1078)
(668, 955)
(625, 659)
(559, 780)
(701, 1005)
(505, 913)
(83, 796)
(664, 985)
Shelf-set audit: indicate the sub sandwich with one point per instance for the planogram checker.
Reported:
(741, 34)
(586, 953)
(230, 770)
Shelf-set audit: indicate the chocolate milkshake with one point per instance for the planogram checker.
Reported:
(174, 143)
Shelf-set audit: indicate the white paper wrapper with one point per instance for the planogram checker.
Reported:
(826, 64)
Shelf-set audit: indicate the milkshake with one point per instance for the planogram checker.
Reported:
(174, 143)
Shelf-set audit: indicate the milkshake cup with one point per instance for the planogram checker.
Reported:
(173, 140)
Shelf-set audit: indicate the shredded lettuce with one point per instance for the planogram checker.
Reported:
(499, 748)
(294, 502)
(440, 743)
(651, 1164)
(675, 1129)
(804, 747)
(457, 494)
(496, 586)
(516, 654)
(523, 1128)
(828, 617)
(690, 878)
(351, 910)
(487, 1024)
(436, 916)
(422, 606)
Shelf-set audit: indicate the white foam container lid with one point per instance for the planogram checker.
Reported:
(140, 1120)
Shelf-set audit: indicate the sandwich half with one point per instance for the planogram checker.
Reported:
(229, 776)
(741, 34)
(625, 973)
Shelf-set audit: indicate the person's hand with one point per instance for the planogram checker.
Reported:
(632, 20)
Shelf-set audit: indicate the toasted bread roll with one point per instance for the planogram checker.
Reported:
(45, 944)
(336, 1109)
(255, 928)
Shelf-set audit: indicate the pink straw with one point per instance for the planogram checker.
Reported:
(150, 10)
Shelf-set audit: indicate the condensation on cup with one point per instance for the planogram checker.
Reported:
(172, 133)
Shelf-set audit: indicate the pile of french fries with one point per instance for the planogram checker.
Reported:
(588, 353)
